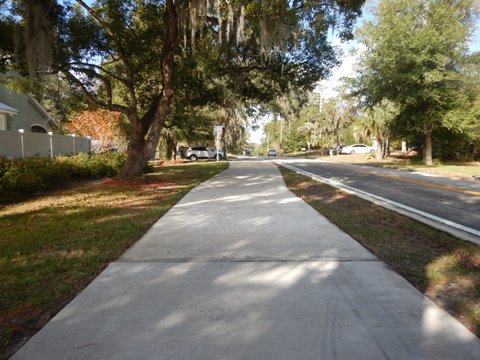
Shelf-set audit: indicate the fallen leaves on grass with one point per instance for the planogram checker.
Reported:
(114, 182)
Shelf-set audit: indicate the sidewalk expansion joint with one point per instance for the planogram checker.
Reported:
(189, 260)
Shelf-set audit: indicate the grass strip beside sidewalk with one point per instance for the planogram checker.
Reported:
(441, 266)
(51, 247)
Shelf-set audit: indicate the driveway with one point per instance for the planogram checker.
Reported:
(240, 268)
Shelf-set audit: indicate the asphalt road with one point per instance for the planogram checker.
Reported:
(451, 199)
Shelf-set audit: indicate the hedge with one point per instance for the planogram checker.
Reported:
(30, 176)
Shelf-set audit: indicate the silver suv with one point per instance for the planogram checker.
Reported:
(203, 152)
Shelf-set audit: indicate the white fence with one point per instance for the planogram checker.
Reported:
(14, 144)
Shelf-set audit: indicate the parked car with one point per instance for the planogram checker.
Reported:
(272, 152)
(203, 152)
(357, 149)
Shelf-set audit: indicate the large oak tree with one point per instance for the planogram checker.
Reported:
(131, 56)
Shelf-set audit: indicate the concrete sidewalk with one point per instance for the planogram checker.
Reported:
(240, 268)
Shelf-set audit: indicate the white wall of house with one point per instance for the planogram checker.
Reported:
(14, 144)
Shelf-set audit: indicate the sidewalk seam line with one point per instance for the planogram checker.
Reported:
(242, 261)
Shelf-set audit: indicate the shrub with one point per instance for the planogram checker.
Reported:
(5, 164)
(92, 166)
(32, 175)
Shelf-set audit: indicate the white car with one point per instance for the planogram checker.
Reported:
(357, 149)
(203, 152)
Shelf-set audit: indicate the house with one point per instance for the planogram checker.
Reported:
(22, 111)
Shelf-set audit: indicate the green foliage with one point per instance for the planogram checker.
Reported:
(7, 28)
(293, 141)
(30, 176)
(127, 56)
(92, 166)
(312, 123)
(378, 117)
(455, 146)
(5, 164)
(415, 57)
(376, 120)
(334, 121)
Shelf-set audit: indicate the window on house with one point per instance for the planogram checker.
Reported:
(38, 129)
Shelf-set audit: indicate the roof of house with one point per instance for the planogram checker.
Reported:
(40, 108)
(5, 109)
(21, 101)
(37, 105)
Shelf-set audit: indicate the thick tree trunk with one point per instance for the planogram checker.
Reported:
(169, 50)
(427, 148)
(136, 159)
(170, 151)
(145, 136)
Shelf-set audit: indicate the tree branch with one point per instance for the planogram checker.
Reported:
(111, 33)
(108, 72)
(93, 100)
(149, 116)
(92, 73)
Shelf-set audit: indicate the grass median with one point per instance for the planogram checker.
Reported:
(443, 267)
(52, 246)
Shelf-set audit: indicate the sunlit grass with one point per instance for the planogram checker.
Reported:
(468, 170)
(53, 246)
(443, 267)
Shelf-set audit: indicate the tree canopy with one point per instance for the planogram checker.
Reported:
(415, 57)
(136, 56)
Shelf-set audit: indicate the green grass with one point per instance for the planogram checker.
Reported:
(52, 246)
(312, 154)
(467, 170)
(443, 267)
